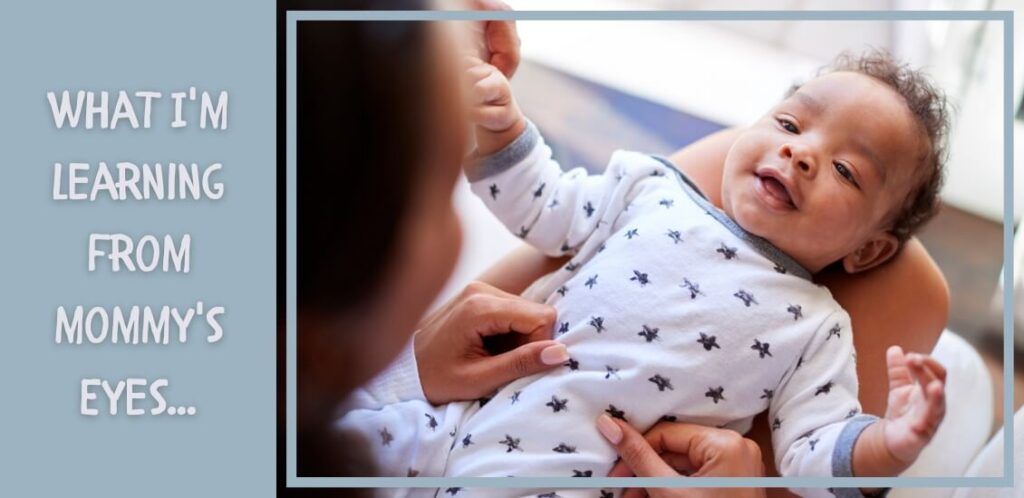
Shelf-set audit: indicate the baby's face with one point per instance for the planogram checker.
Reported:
(819, 175)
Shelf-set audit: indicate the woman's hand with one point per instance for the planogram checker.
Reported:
(497, 42)
(673, 449)
(454, 362)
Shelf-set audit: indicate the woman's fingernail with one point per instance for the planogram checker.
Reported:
(609, 429)
(554, 355)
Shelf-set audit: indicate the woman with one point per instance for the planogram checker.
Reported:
(379, 111)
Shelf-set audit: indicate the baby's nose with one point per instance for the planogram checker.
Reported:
(799, 155)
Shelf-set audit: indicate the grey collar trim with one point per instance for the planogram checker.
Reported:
(767, 249)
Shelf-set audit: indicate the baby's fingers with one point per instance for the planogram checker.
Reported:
(936, 409)
(899, 373)
(491, 89)
(923, 374)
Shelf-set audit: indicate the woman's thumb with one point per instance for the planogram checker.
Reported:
(634, 450)
(525, 360)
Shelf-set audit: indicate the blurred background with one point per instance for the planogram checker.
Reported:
(655, 86)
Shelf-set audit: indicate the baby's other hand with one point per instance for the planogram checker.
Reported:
(917, 402)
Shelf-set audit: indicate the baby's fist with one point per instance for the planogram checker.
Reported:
(917, 402)
(491, 102)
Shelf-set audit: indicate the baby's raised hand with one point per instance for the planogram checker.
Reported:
(917, 402)
(494, 113)
(491, 102)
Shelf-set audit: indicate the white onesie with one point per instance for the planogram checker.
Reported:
(669, 310)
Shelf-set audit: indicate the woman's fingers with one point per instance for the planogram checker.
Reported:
(495, 371)
(493, 315)
(636, 453)
(500, 38)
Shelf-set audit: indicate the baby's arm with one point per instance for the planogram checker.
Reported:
(513, 172)
(916, 406)
(817, 428)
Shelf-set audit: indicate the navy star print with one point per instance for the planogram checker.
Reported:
(640, 278)
(824, 388)
(616, 413)
(761, 348)
(563, 328)
(662, 382)
(385, 437)
(728, 252)
(649, 333)
(796, 310)
(591, 282)
(746, 297)
(515, 396)
(553, 203)
(572, 266)
(431, 422)
(572, 364)
(582, 473)
(562, 290)
(776, 424)
(813, 442)
(675, 236)
(851, 413)
(540, 191)
(834, 331)
(452, 491)
(693, 287)
(589, 208)
(667, 418)
(708, 341)
(633, 232)
(564, 448)
(558, 405)
(598, 323)
(768, 394)
(511, 442)
(466, 441)
(666, 202)
(523, 232)
(611, 372)
(495, 191)
(716, 394)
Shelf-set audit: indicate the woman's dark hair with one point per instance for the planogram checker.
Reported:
(362, 111)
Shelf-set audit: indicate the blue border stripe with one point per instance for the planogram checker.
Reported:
(649, 15)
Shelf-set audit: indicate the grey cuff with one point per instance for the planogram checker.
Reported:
(479, 168)
(842, 455)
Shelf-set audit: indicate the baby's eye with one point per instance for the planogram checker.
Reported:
(845, 172)
(788, 125)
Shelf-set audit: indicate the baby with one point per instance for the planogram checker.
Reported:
(673, 309)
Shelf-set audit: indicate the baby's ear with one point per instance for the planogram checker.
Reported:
(879, 249)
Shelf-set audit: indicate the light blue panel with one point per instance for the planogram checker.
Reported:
(46, 447)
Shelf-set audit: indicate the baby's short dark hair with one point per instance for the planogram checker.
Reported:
(928, 105)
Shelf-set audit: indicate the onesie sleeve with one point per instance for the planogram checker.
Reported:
(400, 381)
(815, 415)
(554, 210)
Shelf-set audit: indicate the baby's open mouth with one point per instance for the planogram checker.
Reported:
(775, 189)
